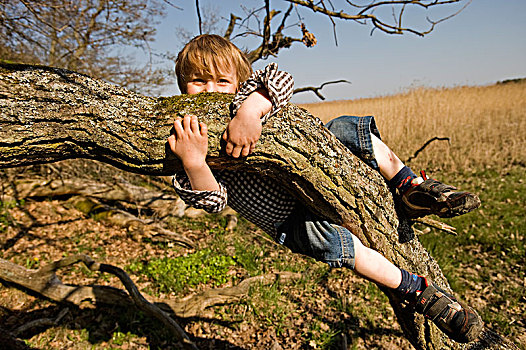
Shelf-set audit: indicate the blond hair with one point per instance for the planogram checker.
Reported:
(210, 53)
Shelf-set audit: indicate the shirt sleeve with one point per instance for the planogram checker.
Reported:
(278, 84)
(210, 201)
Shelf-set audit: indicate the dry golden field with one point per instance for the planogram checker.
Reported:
(486, 125)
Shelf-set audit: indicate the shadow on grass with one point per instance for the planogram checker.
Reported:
(104, 325)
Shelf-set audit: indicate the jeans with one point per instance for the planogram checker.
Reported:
(355, 134)
(306, 233)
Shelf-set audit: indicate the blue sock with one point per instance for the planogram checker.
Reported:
(411, 284)
(402, 180)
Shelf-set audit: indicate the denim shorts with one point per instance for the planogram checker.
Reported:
(308, 234)
(305, 233)
(355, 134)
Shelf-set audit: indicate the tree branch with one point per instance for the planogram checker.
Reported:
(200, 21)
(367, 13)
(45, 282)
(316, 90)
(427, 143)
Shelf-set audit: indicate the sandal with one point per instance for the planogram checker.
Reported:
(460, 322)
(428, 196)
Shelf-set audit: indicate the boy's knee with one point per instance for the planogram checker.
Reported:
(341, 251)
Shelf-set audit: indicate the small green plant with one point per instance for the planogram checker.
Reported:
(119, 338)
(32, 263)
(249, 257)
(5, 217)
(180, 273)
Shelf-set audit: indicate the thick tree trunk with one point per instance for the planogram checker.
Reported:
(49, 114)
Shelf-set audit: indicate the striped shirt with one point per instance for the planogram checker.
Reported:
(255, 197)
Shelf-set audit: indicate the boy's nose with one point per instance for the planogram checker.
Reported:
(210, 87)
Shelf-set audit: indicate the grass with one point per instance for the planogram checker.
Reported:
(489, 256)
(177, 275)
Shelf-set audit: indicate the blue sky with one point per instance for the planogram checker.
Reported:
(484, 44)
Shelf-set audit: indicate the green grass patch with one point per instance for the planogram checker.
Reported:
(5, 217)
(180, 273)
(489, 251)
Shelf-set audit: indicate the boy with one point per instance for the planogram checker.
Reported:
(212, 64)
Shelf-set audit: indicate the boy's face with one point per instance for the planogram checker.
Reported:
(225, 82)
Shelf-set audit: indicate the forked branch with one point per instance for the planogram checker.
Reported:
(45, 282)
(316, 90)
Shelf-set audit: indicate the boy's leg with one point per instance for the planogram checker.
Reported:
(460, 322)
(388, 162)
(306, 233)
(419, 195)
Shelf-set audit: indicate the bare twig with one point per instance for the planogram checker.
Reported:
(367, 13)
(42, 322)
(266, 29)
(333, 26)
(427, 143)
(316, 90)
(231, 25)
(438, 225)
(199, 16)
(169, 3)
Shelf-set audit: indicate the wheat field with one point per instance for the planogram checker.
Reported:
(486, 125)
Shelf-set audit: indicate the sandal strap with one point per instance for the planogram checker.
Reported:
(433, 301)
(437, 188)
(461, 323)
(442, 303)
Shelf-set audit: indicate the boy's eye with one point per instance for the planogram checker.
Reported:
(224, 81)
(198, 81)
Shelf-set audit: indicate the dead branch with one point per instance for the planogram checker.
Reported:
(138, 228)
(272, 47)
(140, 198)
(367, 13)
(195, 305)
(45, 282)
(438, 225)
(316, 90)
(271, 42)
(427, 143)
(42, 322)
(199, 16)
(231, 25)
(91, 197)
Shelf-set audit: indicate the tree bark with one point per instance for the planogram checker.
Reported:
(49, 114)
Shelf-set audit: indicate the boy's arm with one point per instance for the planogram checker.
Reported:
(260, 97)
(200, 188)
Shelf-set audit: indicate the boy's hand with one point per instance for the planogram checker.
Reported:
(190, 141)
(190, 145)
(244, 130)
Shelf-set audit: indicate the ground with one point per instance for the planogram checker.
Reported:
(327, 308)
